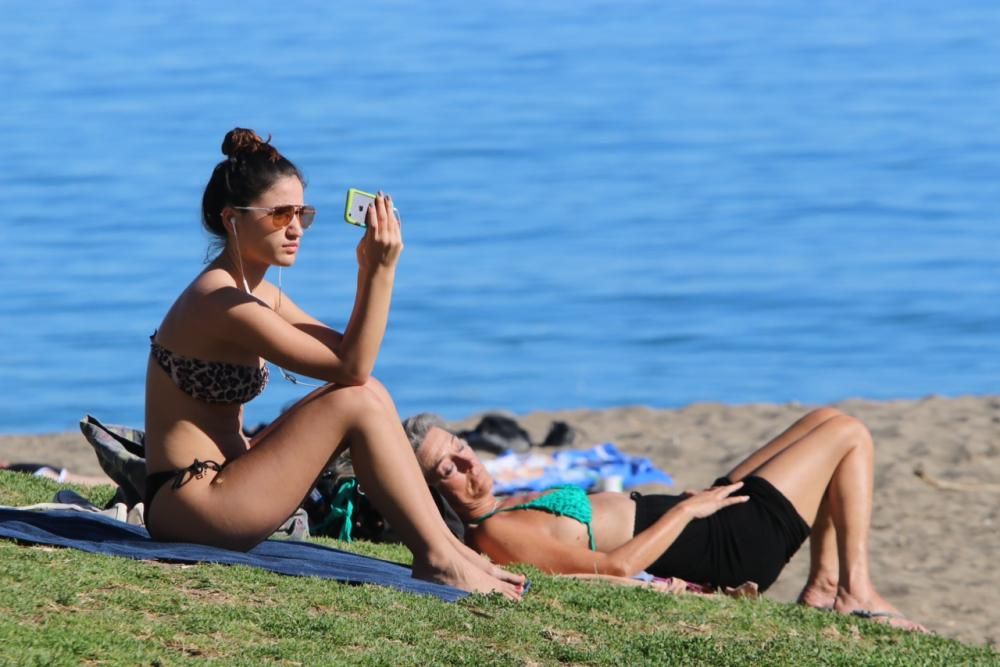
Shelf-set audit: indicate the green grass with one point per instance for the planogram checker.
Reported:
(63, 607)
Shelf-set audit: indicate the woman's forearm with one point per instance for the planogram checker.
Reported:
(509, 541)
(645, 548)
(365, 330)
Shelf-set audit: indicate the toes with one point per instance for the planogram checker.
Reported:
(512, 593)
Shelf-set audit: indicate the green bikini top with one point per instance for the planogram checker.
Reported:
(568, 501)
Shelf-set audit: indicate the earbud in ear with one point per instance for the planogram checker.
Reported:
(232, 221)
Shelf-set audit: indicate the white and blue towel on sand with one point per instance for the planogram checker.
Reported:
(531, 471)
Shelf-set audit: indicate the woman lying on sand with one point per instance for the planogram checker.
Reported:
(208, 483)
(818, 473)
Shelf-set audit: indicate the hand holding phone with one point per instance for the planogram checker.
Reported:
(356, 208)
(382, 242)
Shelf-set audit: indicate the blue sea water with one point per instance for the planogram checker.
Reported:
(604, 203)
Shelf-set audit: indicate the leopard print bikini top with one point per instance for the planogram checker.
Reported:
(210, 381)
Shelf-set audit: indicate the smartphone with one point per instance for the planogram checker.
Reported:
(357, 205)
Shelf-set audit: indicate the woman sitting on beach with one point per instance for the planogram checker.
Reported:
(209, 484)
(818, 473)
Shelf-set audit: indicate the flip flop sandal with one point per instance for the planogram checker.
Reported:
(869, 615)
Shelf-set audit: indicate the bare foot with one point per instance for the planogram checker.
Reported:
(876, 609)
(818, 595)
(483, 563)
(518, 580)
(465, 576)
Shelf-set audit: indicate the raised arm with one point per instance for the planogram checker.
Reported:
(378, 254)
(296, 341)
(508, 542)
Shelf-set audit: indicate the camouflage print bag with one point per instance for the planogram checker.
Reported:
(121, 452)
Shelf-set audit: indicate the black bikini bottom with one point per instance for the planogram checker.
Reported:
(156, 480)
(751, 541)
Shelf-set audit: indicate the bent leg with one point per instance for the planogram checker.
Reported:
(821, 586)
(805, 468)
(790, 435)
(257, 491)
(831, 469)
(820, 589)
(479, 561)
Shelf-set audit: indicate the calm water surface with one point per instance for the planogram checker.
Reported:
(727, 201)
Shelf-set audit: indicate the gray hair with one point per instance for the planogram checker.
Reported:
(418, 426)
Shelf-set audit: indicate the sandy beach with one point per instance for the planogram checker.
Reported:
(934, 537)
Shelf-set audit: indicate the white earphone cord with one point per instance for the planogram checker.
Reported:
(239, 256)
(246, 286)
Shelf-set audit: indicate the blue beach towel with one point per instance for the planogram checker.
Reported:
(530, 471)
(102, 535)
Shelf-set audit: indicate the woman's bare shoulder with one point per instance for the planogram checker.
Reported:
(209, 282)
(268, 293)
(214, 292)
(205, 294)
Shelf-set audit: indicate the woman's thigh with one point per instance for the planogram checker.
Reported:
(244, 503)
(802, 471)
(801, 428)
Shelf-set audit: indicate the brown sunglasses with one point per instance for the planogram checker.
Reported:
(282, 216)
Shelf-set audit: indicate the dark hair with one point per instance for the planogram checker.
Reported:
(251, 167)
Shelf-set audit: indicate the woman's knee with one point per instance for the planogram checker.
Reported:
(824, 414)
(377, 388)
(373, 383)
(350, 399)
(852, 429)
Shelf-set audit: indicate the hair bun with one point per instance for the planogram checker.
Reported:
(242, 143)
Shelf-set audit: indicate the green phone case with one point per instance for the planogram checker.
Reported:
(356, 205)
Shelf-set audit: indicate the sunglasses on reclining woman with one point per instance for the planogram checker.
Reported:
(282, 216)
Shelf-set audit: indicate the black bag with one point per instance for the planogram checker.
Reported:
(338, 507)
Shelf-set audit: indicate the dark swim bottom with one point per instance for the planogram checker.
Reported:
(751, 541)
(156, 480)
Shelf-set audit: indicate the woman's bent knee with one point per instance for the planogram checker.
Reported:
(373, 384)
(349, 396)
(380, 391)
(824, 414)
(852, 429)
